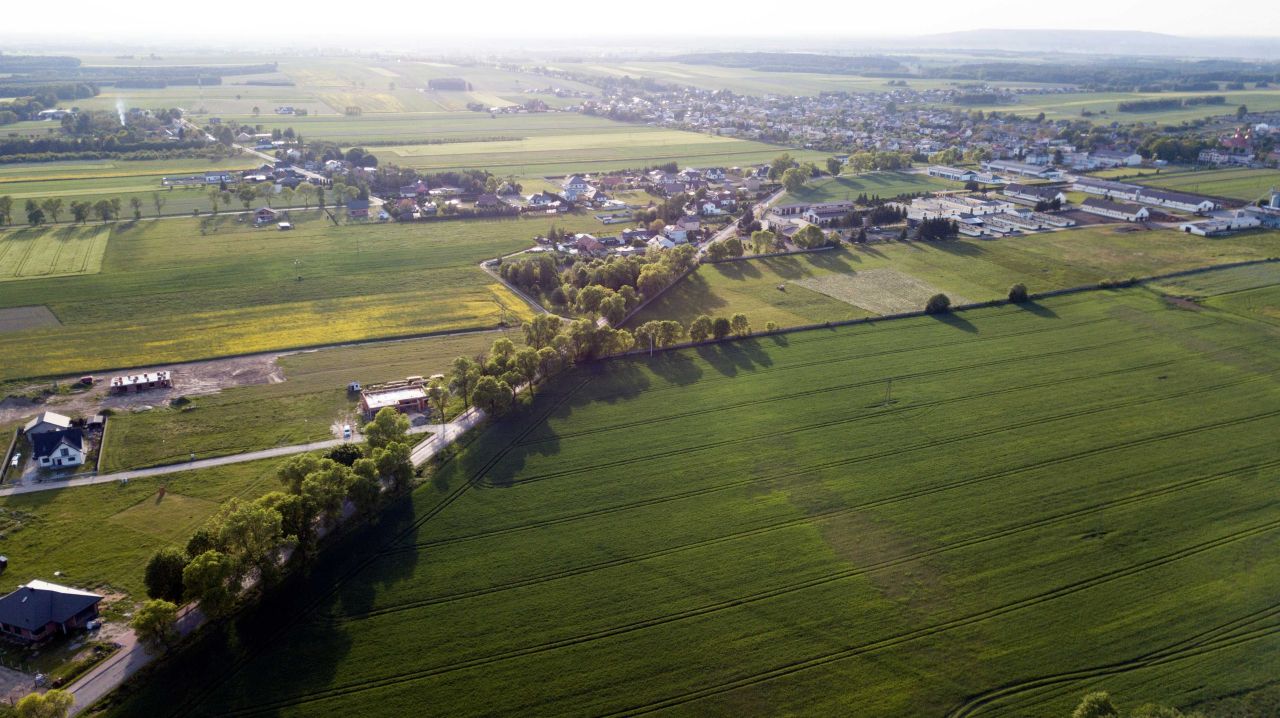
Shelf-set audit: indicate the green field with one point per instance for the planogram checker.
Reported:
(60, 252)
(756, 82)
(864, 281)
(1243, 184)
(101, 536)
(885, 185)
(181, 289)
(594, 146)
(1069, 106)
(302, 408)
(1057, 498)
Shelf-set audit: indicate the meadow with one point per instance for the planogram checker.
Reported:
(868, 280)
(1105, 106)
(1241, 184)
(181, 289)
(590, 149)
(101, 536)
(885, 185)
(304, 407)
(1054, 498)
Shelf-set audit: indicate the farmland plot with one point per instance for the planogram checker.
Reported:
(1054, 498)
(52, 252)
(879, 291)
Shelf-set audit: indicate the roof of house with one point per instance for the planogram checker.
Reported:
(1168, 196)
(39, 603)
(1034, 191)
(358, 204)
(375, 399)
(47, 443)
(48, 417)
(1107, 184)
(1113, 206)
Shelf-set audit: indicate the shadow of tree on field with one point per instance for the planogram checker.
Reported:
(1039, 309)
(676, 367)
(737, 271)
(957, 321)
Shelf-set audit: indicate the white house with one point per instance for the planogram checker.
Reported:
(57, 449)
(660, 243)
(1106, 188)
(1235, 222)
(1116, 210)
(574, 187)
(676, 233)
(1022, 168)
(1116, 158)
(1032, 193)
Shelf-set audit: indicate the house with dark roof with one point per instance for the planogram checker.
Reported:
(41, 610)
(1034, 193)
(358, 208)
(1177, 200)
(58, 449)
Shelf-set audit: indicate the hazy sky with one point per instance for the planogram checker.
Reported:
(344, 21)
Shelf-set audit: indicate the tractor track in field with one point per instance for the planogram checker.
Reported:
(301, 615)
(879, 381)
(826, 424)
(786, 669)
(734, 484)
(961, 622)
(1135, 498)
(1227, 635)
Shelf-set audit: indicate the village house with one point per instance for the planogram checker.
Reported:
(1021, 168)
(1116, 210)
(46, 422)
(1106, 188)
(58, 449)
(358, 208)
(264, 215)
(1177, 200)
(40, 610)
(574, 187)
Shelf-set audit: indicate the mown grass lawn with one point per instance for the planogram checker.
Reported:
(972, 270)
(1056, 498)
(100, 537)
(174, 290)
(1243, 184)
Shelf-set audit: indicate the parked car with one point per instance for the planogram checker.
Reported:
(346, 431)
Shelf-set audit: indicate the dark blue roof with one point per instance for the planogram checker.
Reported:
(47, 443)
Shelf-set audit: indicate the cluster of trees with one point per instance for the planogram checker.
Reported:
(724, 249)
(868, 161)
(937, 228)
(953, 155)
(1169, 103)
(1176, 149)
(250, 538)
(50, 209)
(29, 100)
(1100, 705)
(609, 287)
(811, 237)
(388, 179)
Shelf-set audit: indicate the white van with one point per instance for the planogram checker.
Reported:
(346, 431)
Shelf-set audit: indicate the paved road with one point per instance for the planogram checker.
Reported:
(90, 480)
(444, 434)
(730, 230)
(132, 656)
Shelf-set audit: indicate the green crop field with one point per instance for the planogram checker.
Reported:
(60, 252)
(302, 408)
(756, 82)
(101, 536)
(885, 185)
(445, 127)
(181, 289)
(963, 269)
(599, 148)
(1055, 498)
(1069, 106)
(1243, 184)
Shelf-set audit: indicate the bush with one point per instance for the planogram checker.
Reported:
(1018, 293)
(345, 454)
(938, 304)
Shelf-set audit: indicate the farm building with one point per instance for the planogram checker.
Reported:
(40, 610)
(1222, 225)
(1106, 188)
(141, 382)
(789, 210)
(58, 449)
(264, 215)
(951, 173)
(1032, 193)
(46, 422)
(405, 397)
(1115, 158)
(1177, 200)
(1116, 210)
(1022, 168)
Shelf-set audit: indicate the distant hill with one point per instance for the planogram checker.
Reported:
(1107, 42)
(797, 62)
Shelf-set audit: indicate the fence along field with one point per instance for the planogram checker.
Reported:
(1057, 490)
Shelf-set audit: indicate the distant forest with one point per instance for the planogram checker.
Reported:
(797, 62)
(41, 72)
